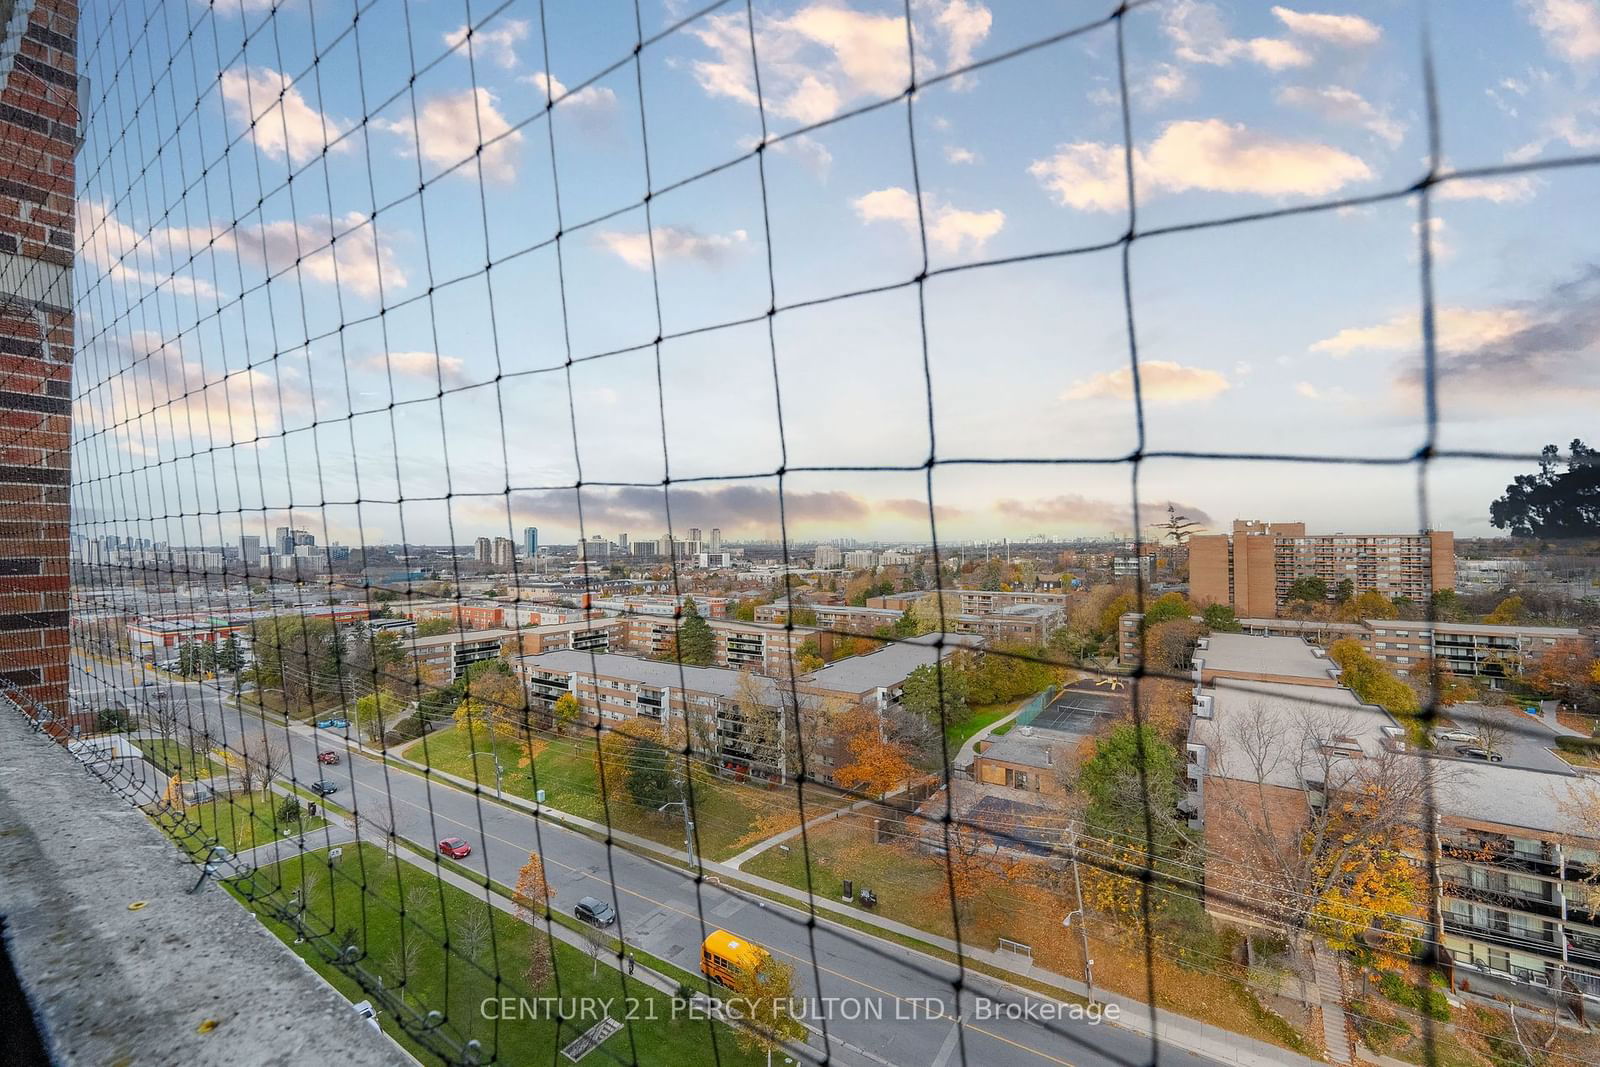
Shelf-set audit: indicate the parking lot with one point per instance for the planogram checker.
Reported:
(1526, 741)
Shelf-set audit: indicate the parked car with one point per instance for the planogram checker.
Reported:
(455, 848)
(332, 724)
(1456, 734)
(1473, 752)
(323, 788)
(328, 756)
(595, 911)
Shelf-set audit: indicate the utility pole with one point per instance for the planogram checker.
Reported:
(688, 827)
(1083, 922)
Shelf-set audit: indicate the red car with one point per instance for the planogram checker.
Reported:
(329, 756)
(455, 848)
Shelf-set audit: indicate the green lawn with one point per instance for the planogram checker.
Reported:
(364, 894)
(958, 734)
(726, 813)
(273, 700)
(237, 822)
(174, 757)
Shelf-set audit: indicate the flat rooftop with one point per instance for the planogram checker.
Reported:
(1284, 657)
(720, 681)
(889, 665)
(1281, 722)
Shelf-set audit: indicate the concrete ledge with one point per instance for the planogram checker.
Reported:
(182, 979)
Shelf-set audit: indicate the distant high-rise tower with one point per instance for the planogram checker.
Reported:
(505, 551)
(622, 543)
(283, 541)
(530, 540)
(250, 549)
(716, 539)
(694, 533)
(482, 552)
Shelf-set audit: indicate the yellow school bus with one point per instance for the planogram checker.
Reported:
(728, 960)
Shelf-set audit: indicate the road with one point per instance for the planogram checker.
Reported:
(889, 1005)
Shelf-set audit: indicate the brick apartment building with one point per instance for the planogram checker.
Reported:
(1465, 649)
(1252, 568)
(1027, 622)
(39, 127)
(1512, 897)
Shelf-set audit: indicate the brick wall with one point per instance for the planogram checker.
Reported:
(38, 140)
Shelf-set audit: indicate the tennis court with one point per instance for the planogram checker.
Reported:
(1078, 711)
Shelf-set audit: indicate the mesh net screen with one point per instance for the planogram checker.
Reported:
(368, 295)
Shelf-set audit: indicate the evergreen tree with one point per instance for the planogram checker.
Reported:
(697, 646)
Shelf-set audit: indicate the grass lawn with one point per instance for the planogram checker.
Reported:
(174, 757)
(913, 888)
(237, 822)
(364, 894)
(729, 816)
(273, 700)
(957, 735)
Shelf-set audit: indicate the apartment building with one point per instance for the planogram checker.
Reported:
(447, 656)
(1027, 623)
(709, 607)
(1252, 569)
(1465, 649)
(1268, 735)
(974, 601)
(827, 557)
(767, 648)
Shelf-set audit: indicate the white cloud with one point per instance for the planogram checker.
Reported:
(1203, 154)
(671, 242)
(1166, 82)
(1350, 31)
(1442, 248)
(1338, 104)
(1199, 35)
(823, 57)
(448, 126)
(119, 250)
(284, 122)
(957, 154)
(1161, 382)
(431, 366)
(1307, 390)
(1455, 329)
(497, 44)
(590, 97)
(1241, 368)
(1571, 28)
(358, 260)
(950, 229)
(1507, 190)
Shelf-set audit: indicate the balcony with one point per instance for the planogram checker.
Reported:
(1503, 933)
(1548, 907)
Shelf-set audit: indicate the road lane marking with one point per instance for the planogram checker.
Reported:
(949, 1046)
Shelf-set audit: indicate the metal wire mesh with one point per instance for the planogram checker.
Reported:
(274, 197)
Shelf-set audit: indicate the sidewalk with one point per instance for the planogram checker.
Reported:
(969, 751)
(779, 838)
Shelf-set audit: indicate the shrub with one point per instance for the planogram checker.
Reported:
(1590, 745)
(1430, 1001)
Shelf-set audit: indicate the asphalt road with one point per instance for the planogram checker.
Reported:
(888, 1005)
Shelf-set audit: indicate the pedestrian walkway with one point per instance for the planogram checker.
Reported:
(1330, 990)
(969, 750)
(784, 835)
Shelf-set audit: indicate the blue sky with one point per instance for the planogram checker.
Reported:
(212, 399)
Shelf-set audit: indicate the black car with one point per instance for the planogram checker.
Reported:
(1473, 752)
(595, 911)
(323, 788)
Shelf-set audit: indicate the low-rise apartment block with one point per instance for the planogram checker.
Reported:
(1465, 649)
(1024, 623)
(1513, 897)
(1253, 568)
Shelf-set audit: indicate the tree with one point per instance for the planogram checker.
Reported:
(1494, 730)
(1167, 607)
(1371, 680)
(474, 931)
(937, 695)
(378, 822)
(289, 810)
(697, 645)
(650, 782)
(435, 627)
(1178, 527)
(765, 997)
(565, 711)
(1220, 619)
(376, 713)
(1368, 604)
(1344, 591)
(532, 897)
(1506, 613)
(1553, 503)
(932, 611)
(229, 657)
(878, 764)
(1169, 646)
(1567, 671)
(1308, 588)
(1445, 605)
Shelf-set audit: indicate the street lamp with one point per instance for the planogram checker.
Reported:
(1083, 921)
(688, 827)
(497, 771)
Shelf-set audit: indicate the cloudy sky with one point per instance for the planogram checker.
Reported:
(428, 306)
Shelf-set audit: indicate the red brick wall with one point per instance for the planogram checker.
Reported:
(38, 140)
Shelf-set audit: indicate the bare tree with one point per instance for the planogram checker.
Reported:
(377, 824)
(473, 932)
(1494, 730)
(403, 962)
(596, 944)
(262, 760)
